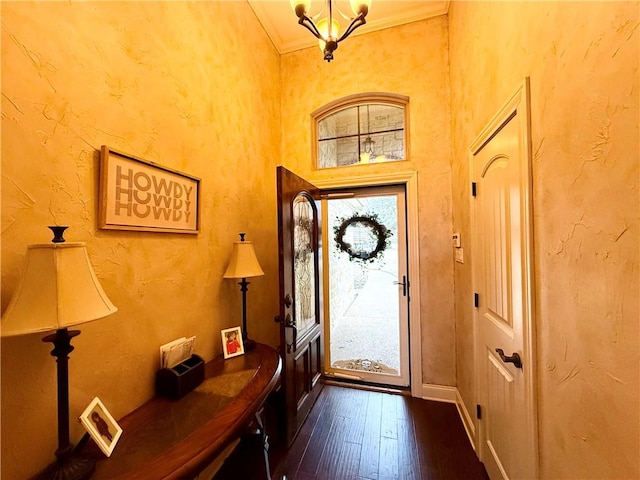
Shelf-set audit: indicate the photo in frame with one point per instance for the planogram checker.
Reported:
(102, 427)
(139, 195)
(232, 345)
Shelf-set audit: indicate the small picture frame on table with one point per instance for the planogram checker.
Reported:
(102, 427)
(232, 345)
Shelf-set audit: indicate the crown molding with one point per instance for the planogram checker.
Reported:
(280, 24)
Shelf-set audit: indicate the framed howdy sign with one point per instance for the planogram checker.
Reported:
(140, 195)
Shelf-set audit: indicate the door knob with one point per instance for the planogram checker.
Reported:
(515, 358)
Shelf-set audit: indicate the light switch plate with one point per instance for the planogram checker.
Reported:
(456, 240)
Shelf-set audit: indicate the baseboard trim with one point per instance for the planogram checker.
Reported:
(467, 420)
(444, 393)
(439, 393)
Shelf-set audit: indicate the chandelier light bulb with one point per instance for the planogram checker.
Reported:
(323, 28)
(358, 6)
(301, 7)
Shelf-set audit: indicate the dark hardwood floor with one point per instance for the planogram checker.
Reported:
(354, 434)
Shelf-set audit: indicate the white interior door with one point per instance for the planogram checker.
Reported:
(502, 265)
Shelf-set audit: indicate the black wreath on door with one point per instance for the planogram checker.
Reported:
(376, 229)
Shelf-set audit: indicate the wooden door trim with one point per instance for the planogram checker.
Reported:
(410, 181)
(518, 104)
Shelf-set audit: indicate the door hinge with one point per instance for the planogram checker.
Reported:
(476, 300)
(473, 189)
(478, 412)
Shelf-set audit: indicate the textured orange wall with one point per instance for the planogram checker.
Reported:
(410, 60)
(170, 82)
(582, 59)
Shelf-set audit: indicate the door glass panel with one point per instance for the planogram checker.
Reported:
(365, 334)
(303, 264)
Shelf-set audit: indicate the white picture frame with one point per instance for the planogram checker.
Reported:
(232, 344)
(102, 427)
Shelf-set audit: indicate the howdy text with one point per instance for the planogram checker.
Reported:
(141, 195)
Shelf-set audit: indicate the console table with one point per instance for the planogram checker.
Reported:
(171, 439)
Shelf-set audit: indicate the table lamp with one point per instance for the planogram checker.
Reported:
(244, 264)
(58, 289)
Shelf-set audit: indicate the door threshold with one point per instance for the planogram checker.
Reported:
(349, 383)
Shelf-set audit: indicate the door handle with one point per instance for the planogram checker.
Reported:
(290, 323)
(515, 358)
(404, 284)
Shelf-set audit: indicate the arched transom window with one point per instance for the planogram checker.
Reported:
(361, 129)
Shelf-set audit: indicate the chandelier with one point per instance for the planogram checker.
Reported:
(327, 29)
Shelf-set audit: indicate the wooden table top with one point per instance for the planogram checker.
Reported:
(171, 439)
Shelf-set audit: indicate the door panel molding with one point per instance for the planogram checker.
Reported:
(501, 370)
(316, 360)
(300, 375)
(410, 181)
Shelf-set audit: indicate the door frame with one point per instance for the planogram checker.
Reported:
(402, 378)
(410, 181)
(517, 106)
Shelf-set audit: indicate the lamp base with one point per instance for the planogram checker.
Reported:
(248, 343)
(71, 467)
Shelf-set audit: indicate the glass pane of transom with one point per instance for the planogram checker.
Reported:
(381, 118)
(361, 134)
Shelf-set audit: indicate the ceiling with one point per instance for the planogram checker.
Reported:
(281, 24)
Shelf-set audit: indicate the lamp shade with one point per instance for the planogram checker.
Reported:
(243, 262)
(58, 289)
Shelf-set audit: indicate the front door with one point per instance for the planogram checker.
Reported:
(367, 287)
(300, 314)
(501, 269)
